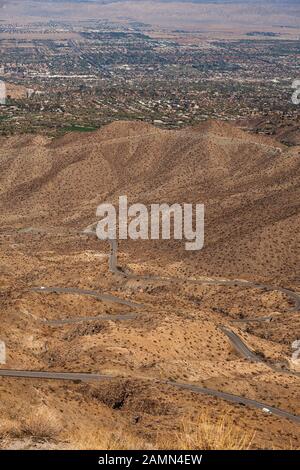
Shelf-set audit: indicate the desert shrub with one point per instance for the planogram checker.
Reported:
(41, 423)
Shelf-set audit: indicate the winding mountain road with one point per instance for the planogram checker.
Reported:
(85, 377)
(113, 266)
(237, 399)
(71, 321)
(234, 338)
(240, 346)
(77, 291)
(35, 374)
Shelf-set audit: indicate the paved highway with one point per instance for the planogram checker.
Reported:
(35, 374)
(240, 346)
(237, 399)
(78, 376)
(235, 339)
(77, 291)
(247, 353)
(113, 266)
(70, 321)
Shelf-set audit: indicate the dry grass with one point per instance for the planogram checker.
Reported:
(201, 434)
(206, 434)
(9, 428)
(104, 440)
(41, 423)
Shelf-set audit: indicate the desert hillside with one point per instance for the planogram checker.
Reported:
(248, 183)
(177, 356)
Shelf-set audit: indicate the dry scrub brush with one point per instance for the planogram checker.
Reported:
(9, 428)
(201, 433)
(106, 440)
(206, 434)
(41, 423)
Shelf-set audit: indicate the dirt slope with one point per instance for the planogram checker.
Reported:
(49, 191)
(249, 185)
